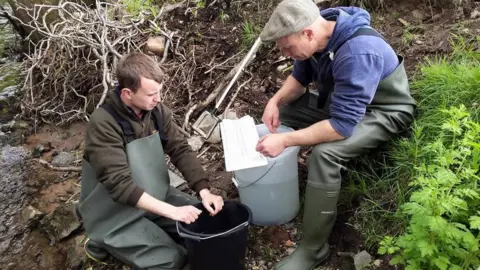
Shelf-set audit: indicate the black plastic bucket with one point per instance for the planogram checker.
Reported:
(217, 242)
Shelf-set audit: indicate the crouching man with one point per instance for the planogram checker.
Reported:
(127, 205)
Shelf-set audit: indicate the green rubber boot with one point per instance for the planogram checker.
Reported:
(318, 220)
(94, 251)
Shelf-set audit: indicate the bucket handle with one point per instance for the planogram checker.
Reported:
(269, 169)
(198, 238)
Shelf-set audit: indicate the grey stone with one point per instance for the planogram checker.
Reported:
(63, 159)
(195, 142)
(8, 92)
(61, 222)
(175, 180)
(362, 259)
(3, 137)
(31, 216)
(20, 125)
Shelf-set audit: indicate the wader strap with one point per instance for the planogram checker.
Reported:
(327, 88)
(157, 119)
(360, 32)
(127, 128)
(124, 124)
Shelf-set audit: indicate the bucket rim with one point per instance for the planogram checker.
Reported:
(181, 226)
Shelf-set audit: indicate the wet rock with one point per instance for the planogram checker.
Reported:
(3, 137)
(61, 222)
(15, 139)
(8, 92)
(31, 216)
(13, 193)
(362, 260)
(195, 142)
(63, 159)
(20, 125)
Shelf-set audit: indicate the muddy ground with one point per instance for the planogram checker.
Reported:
(414, 28)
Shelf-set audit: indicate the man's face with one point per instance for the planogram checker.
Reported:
(302, 45)
(297, 46)
(147, 96)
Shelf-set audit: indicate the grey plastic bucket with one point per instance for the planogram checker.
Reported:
(271, 191)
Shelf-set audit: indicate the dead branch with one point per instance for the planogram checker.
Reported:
(235, 95)
(223, 63)
(73, 66)
(63, 169)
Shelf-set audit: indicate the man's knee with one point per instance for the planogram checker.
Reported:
(324, 166)
(323, 153)
(168, 257)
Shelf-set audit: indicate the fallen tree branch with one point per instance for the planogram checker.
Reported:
(64, 66)
(235, 96)
(223, 63)
(63, 169)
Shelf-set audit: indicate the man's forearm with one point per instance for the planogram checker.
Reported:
(153, 205)
(289, 91)
(320, 132)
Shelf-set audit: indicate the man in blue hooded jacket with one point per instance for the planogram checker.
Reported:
(360, 98)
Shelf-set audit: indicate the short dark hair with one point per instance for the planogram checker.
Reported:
(134, 65)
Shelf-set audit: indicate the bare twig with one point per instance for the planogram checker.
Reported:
(223, 63)
(63, 169)
(235, 96)
(64, 64)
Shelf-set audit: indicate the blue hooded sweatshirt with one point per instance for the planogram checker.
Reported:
(357, 67)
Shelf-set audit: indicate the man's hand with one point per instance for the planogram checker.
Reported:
(271, 116)
(187, 214)
(209, 199)
(272, 145)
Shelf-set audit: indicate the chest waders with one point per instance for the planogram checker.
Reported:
(128, 233)
(390, 113)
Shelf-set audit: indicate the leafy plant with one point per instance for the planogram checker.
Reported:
(444, 221)
(408, 37)
(250, 33)
(135, 7)
(199, 4)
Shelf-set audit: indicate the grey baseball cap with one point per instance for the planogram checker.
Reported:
(290, 16)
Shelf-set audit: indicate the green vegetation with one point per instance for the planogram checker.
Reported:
(422, 190)
(250, 33)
